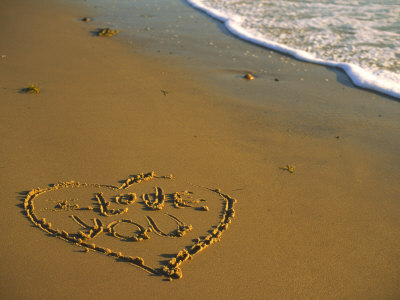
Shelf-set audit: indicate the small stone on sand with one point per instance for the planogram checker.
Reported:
(249, 76)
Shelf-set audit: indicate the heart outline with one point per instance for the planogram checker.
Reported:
(171, 270)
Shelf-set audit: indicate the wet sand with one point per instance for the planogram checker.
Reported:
(329, 230)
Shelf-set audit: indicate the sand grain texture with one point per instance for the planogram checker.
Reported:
(330, 229)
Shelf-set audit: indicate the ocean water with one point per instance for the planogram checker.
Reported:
(362, 37)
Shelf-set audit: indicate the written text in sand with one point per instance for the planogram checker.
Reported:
(156, 223)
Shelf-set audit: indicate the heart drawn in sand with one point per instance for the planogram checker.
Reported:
(134, 222)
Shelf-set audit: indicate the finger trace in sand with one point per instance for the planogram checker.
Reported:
(180, 231)
(156, 201)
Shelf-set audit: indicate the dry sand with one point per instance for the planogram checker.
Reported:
(329, 230)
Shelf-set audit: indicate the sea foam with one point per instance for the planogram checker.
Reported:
(364, 42)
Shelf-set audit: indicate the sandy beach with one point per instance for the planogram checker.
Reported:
(305, 172)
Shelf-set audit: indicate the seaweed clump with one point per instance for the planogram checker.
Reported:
(107, 32)
(289, 168)
(32, 89)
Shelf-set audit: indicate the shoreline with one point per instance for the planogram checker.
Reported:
(355, 73)
(220, 59)
(203, 32)
(108, 109)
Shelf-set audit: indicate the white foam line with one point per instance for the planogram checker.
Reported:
(359, 76)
